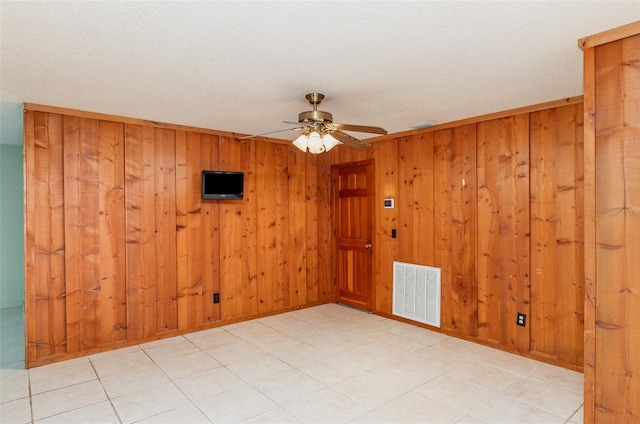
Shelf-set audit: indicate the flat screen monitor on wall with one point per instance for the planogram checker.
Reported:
(222, 185)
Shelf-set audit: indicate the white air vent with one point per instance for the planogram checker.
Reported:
(416, 293)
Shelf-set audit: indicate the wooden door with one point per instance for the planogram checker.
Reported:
(352, 206)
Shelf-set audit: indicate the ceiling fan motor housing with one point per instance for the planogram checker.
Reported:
(315, 116)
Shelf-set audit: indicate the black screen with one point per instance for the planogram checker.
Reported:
(222, 185)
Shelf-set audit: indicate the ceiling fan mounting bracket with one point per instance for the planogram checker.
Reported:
(314, 98)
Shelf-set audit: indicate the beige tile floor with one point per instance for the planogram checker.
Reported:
(327, 364)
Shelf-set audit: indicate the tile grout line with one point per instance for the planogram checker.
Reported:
(30, 396)
(191, 402)
(105, 391)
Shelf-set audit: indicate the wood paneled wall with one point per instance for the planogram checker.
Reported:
(612, 225)
(497, 204)
(120, 247)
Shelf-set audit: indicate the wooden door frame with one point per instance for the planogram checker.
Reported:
(371, 195)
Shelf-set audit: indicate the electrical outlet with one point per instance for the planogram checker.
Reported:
(521, 320)
(216, 298)
(393, 233)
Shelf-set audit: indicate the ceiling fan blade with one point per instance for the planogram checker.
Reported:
(359, 128)
(272, 132)
(350, 141)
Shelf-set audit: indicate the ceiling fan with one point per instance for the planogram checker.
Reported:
(320, 133)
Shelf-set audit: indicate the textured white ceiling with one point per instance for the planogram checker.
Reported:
(246, 66)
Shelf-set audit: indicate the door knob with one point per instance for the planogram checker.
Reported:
(367, 246)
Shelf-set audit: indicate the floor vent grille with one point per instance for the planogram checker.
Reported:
(416, 293)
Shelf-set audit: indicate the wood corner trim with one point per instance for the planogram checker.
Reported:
(610, 35)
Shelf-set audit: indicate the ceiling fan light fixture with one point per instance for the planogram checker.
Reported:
(301, 142)
(329, 142)
(315, 143)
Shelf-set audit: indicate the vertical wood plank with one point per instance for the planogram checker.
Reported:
(238, 281)
(89, 237)
(580, 293)
(165, 230)
(297, 229)
(30, 263)
(443, 203)
(231, 268)
(71, 233)
(611, 285)
(521, 209)
(631, 164)
(543, 232)
(385, 155)
(43, 236)
(312, 177)
(192, 290)
(415, 199)
(57, 299)
(211, 237)
(244, 159)
(266, 224)
(215, 241)
(589, 235)
(206, 282)
(140, 231)
(516, 213)
(112, 319)
(81, 207)
(408, 170)
(489, 299)
(282, 297)
(326, 288)
(182, 252)
(463, 295)
(48, 301)
(570, 242)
